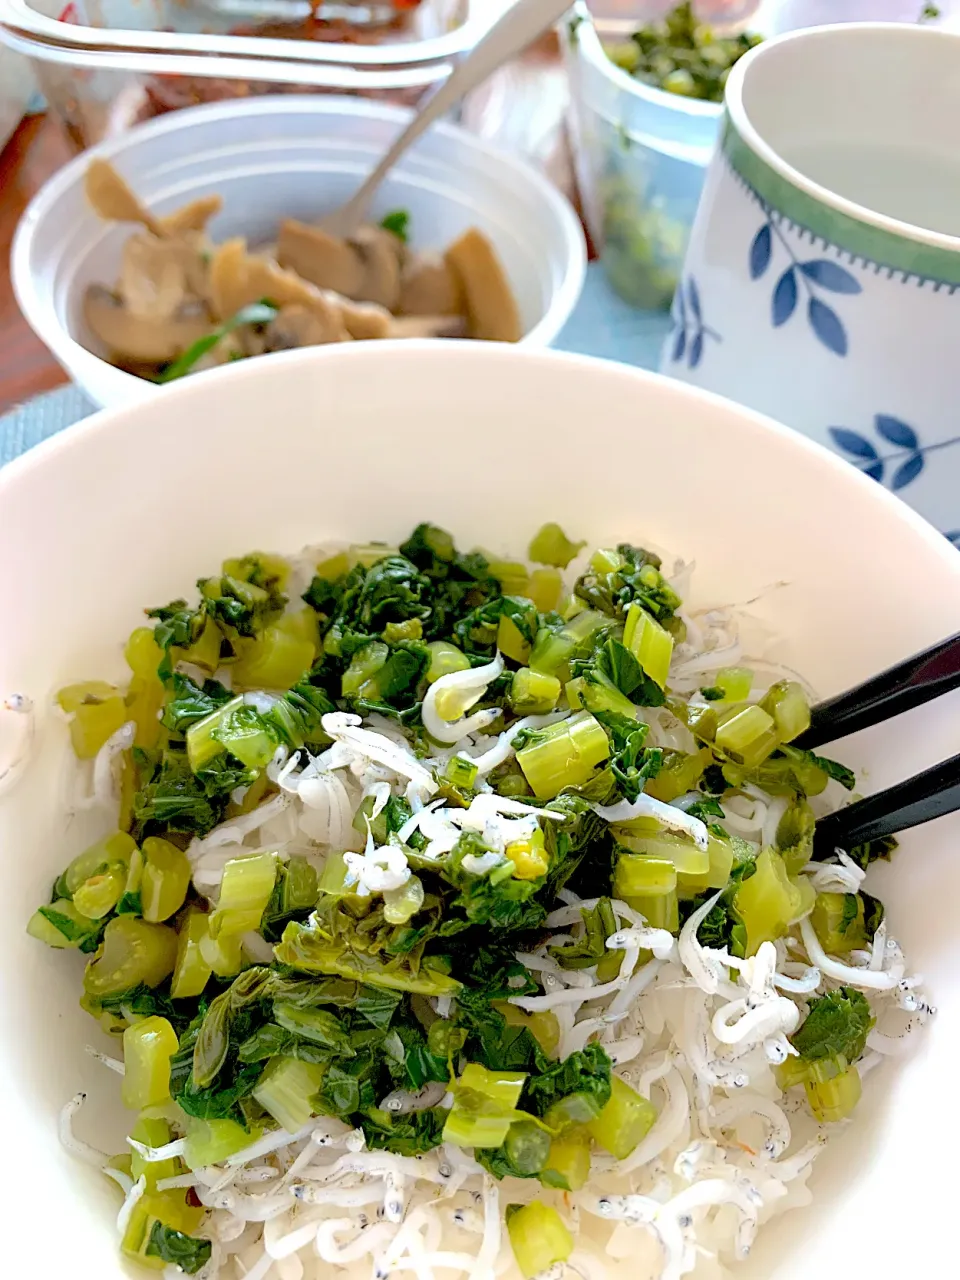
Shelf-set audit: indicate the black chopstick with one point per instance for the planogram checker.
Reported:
(907, 685)
(919, 799)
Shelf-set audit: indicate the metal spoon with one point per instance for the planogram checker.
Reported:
(509, 36)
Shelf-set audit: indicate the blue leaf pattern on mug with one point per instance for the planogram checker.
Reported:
(785, 297)
(826, 324)
(696, 350)
(814, 274)
(693, 296)
(830, 275)
(689, 330)
(851, 442)
(954, 537)
(895, 431)
(761, 251)
(908, 457)
(909, 471)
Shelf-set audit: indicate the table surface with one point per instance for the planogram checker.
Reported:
(37, 150)
(522, 107)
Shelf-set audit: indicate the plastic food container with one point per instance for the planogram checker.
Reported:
(16, 90)
(640, 156)
(106, 64)
(290, 157)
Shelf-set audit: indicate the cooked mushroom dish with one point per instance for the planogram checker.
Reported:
(183, 303)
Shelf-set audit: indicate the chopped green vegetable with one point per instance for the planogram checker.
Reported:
(133, 951)
(550, 545)
(148, 1047)
(568, 1162)
(829, 1041)
(768, 901)
(538, 1236)
(165, 879)
(628, 575)
(397, 222)
(649, 643)
(484, 1106)
(532, 693)
(638, 875)
(680, 54)
(563, 755)
(186, 1253)
(212, 1141)
(599, 923)
(837, 919)
(286, 1091)
(788, 705)
(836, 1026)
(62, 925)
(832, 1098)
(574, 1091)
(864, 854)
(748, 737)
(245, 892)
(257, 313)
(624, 1122)
(191, 972)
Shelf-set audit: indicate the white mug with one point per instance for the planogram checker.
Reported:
(822, 280)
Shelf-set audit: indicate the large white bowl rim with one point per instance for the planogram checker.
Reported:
(127, 509)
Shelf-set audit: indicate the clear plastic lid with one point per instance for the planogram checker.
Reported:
(106, 64)
(392, 33)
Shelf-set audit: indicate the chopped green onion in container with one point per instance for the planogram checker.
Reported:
(646, 115)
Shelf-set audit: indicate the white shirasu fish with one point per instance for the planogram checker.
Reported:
(667, 815)
(104, 791)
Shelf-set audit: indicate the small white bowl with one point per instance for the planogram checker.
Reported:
(129, 507)
(289, 156)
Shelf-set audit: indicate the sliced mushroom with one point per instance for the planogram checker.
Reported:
(296, 326)
(428, 287)
(137, 338)
(365, 268)
(113, 200)
(380, 253)
(365, 319)
(491, 308)
(238, 278)
(158, 275)
(326, 261)
(428, 327)
(192, 217)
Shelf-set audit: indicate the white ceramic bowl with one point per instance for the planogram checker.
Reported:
(290, 156)
(130, 507)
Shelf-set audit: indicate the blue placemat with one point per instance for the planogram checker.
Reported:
(602, 325)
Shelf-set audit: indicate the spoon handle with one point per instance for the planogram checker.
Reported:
(909, 684)
(509, 36)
